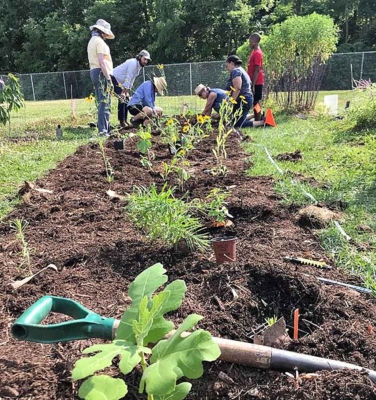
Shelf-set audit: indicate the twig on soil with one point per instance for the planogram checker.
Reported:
(311, 323)
(219, 302)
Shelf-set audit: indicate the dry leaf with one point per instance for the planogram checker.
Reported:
(20, 283)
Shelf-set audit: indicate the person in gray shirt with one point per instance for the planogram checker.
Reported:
(123, 78)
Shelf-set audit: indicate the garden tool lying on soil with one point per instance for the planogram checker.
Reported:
(86, 324)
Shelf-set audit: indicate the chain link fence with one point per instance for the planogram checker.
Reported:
(340, 71)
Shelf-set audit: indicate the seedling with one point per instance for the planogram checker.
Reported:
(166, 218)
(107, 164)
(141, 325)
(144, 144)
(216, 207)
(19, 226)
(271, 320)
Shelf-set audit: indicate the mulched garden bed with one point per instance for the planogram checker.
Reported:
(99, 252)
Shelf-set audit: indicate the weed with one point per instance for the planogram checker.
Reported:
(107, 164)
(19, 226)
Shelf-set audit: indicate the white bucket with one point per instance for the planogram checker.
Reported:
(331, 104)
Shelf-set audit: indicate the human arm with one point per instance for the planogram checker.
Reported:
(209, 104)
(255, 77)
(149, 95)
(237, 85)
(101, 60)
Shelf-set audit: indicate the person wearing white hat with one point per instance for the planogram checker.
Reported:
(123, 79)
(100, 72)
(142, 105)
(213, 97)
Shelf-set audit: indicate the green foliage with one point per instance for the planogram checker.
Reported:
(107, 164)
(216, 205)
(144, 144)
(141, 324)
(19, 226)
(363, 108)
(293, 52)
(164, 217)
(11, 98)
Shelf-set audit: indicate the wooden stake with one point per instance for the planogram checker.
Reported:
(296, 323)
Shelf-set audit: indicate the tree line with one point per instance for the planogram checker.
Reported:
(52, 35)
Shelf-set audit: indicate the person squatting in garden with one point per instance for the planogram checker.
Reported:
(213, 97)
(256, 73)
(123, 79)
(142, 104)
(101, 67)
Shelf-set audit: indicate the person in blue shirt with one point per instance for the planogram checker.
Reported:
(240, 87)
(142, 104)
(213, 97)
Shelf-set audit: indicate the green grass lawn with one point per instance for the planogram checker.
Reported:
(341, 164)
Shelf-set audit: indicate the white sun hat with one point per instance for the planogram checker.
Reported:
(199, 89)
(104, 27)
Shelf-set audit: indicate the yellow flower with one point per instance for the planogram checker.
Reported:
(232, 88)
(185, 128)
(200, 119)
(228, 92)
(87, 99)
(233, 101)
(244, 101)
(242, 97)
(160, 66)
(170, 122)
(206, 118)
(224, 101)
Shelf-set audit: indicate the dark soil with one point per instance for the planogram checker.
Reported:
(99, 252)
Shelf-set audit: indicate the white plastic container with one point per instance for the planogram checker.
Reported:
(331, 104)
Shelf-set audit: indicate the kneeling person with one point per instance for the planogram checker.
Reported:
(142, 105)
(213, 97)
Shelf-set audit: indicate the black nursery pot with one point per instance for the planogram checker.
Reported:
(119, 144)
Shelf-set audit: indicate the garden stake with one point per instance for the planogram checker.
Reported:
(305, 261)
(296, 323)
(86, 324)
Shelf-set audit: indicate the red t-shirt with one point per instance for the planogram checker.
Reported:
(256, 59)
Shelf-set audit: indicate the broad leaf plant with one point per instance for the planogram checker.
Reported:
(142, 325)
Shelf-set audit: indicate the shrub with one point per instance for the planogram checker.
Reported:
(11, 98)
(363, 108)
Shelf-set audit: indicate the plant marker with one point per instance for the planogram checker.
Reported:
(296, 323)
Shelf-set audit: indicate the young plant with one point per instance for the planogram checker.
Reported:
(144, 144)
(107, 164)
(216, 206)
(19, 226)
(166, 218)
(11, 98)
(271, 320)
(141, 325)
(226, 120)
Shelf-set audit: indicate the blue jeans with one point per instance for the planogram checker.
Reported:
(103, 98)
(245, 107)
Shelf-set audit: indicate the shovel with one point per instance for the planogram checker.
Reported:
(86, 324)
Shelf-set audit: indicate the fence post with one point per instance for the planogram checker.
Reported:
(65, 87)
(190, 77)
(143, 73)
(361, 67)
(32, 85)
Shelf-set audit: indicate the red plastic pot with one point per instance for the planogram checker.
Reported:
(224, 249)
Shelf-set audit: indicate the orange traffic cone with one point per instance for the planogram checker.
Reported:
(269, 119)
(257, 108)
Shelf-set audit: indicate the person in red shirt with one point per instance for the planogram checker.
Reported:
(256, 73)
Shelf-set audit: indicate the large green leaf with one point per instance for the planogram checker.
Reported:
(179, 393)
(102, 388)
(160, 325)
(144, 285)
(105, 354)
(178, 356)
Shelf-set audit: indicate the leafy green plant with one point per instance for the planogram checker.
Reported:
(225, 128)
(11, 98)
(141, 325)
(216, 205)
(363, 108)
(164, 217)
(19, 226)
(107, 164)
(144, 144)
(271, 320)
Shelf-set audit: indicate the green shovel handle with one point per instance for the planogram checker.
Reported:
(85, 324)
